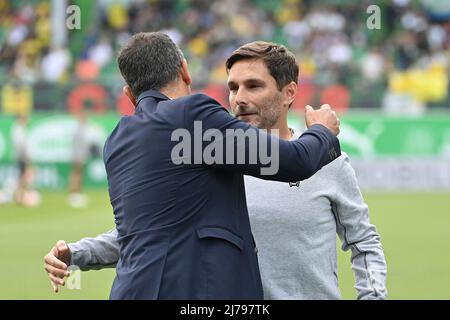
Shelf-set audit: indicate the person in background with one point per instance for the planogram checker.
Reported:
(80, 154)
(19, 138)
(23, 192)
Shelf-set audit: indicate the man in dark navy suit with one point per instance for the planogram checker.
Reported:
(182, 221)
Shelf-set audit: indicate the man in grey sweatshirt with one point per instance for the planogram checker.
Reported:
(294, 224)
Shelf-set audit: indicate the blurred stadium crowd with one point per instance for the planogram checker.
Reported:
(401, 67)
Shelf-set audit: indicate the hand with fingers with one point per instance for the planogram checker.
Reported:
(56, 264)
(324, 116)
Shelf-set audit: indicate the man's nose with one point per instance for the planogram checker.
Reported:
(241, 98)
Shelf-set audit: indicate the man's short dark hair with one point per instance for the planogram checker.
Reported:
(282, 65)
(149, 61)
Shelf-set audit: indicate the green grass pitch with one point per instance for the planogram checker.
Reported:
(414, 228)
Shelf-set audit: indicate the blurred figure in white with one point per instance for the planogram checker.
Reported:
(23, 193)
(55, 64)
(102, 52)
(80, 153)
(7, 193)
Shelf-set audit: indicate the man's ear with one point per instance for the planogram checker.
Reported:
(129, 94)
(185, 76)
(289, 93)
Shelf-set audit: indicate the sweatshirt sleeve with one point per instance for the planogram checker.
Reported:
(359, 235)
(96, 253)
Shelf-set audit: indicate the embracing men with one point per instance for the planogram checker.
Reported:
(188, 236)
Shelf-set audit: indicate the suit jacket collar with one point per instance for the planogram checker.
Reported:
(151, 93)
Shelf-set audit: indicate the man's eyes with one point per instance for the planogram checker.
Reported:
(250, 86)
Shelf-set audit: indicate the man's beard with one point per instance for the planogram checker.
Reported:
(266, 115)
(269, 113)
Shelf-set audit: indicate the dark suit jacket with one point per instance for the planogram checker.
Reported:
(184, 231)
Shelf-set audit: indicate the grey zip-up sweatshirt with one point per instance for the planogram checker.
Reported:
(295, 227)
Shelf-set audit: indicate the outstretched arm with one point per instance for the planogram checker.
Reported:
(87, 254)
(96, 253)
(248, 150)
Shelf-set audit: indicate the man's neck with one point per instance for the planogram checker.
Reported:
(283, 131)
(175, 91)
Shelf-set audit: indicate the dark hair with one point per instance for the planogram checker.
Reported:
(282, 65)
(149, 61)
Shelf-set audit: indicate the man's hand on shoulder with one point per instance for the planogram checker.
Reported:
(324, 116)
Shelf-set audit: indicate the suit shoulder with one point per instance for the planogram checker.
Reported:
(199, 100)
(110, 139)
(199, 106)
(119, 128)
(123, 123)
